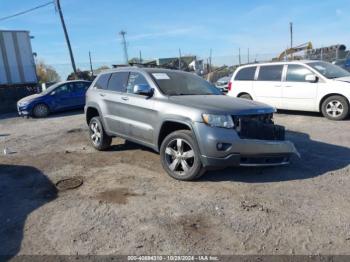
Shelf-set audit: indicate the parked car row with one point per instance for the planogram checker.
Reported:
(189, 122)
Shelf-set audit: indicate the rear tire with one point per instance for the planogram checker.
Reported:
(99, 139)
(335, 108)
(40, 111)
(246, 96)
(180, 156)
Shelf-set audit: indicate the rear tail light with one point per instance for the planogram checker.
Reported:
(229, 86)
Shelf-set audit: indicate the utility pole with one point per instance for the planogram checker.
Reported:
(179, 59)
(291, 37)
(239, 56)
(140, 57)
(210, 59)
(58, 6)
(123, 33)
(248, 56)
(92, 72)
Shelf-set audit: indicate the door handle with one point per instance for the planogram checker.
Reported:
(102, 94)
(277, 85)
(125, 98)
(289, 86)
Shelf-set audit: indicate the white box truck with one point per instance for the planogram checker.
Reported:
(17, 68)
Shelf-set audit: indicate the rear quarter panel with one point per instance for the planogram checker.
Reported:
(238, 87)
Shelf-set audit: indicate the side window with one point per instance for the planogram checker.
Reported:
(63, 89)
(135, 79)
(118, 81)
(80, 86)
(246, 74)
(297, 73)
(270, 73)
(87, 85)
(102, 81)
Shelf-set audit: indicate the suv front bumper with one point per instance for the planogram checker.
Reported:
(222, 147)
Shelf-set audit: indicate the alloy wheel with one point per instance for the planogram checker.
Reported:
(95, 133)
(179, 156)
(334, 108)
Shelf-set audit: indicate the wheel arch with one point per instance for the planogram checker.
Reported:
(169, 126)
(244, 93)
(91, 111)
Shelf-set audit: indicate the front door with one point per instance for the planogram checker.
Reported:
(78, 93)
(138, 111)
(297, 93)
(268, 87)
(62, 97)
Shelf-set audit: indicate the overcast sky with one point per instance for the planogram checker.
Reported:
(160, 27)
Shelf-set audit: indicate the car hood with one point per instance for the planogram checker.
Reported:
(221, 104)
(30, 98)
(343, 79)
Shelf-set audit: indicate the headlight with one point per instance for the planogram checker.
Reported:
(24, 103)
(224, 121)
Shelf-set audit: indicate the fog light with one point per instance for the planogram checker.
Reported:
(222, 146)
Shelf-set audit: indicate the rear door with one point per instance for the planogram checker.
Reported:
(268, 87)
(298, 94)
(113, 100)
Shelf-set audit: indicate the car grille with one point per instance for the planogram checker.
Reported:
(258, 127)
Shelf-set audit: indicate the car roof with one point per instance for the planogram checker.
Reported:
(141, 69)
(281, 63)
(73, 81)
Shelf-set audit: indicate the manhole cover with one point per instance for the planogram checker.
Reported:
(69, 183)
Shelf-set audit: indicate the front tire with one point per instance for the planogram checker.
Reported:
(41, 110)
(180, 156)
(335, 108)
(99, 139)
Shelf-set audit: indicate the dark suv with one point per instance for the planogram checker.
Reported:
(184, 118)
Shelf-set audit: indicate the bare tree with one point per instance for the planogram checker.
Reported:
(46, 73)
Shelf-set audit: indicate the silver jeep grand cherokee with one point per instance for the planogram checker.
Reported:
(184, 118)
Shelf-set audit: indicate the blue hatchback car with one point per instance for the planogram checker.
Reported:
(58, 97)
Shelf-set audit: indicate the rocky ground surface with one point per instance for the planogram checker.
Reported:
(128, 205)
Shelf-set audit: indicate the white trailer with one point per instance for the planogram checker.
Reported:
(17, 66)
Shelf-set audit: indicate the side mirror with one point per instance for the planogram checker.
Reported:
(143, 89)
(311, 78)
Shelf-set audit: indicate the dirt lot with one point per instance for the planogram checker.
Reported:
(128, 205)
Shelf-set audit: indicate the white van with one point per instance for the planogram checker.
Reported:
(298, 85)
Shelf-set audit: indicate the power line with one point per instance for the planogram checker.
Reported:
(26, 11)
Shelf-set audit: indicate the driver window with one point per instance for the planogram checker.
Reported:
(135, 79)
(63, 89)
(297, 73)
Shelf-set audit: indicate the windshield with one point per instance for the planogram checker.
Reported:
(180, 83)
(329, 70)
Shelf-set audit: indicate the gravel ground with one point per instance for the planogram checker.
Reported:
(128, 205)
